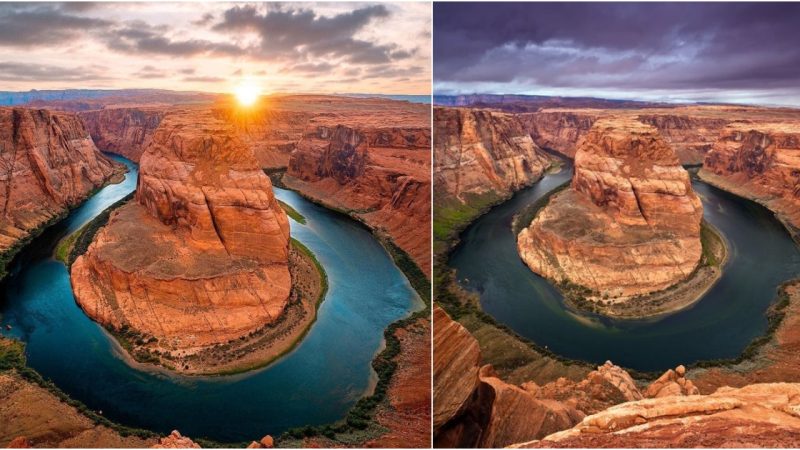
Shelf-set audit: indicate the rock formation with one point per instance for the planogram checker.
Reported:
(124, 131)
(480, 153)
(48, 164)
(200, 256)
(472, 407)
(175, 440)
(559, 130)
(628, 225)
(758, 415)
(760, 162)
(673, 382)
(377, 172)
(690, 135)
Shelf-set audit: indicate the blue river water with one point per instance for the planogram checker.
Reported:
(316, 383)
(727, 318)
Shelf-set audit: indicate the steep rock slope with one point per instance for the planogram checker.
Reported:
(559, 130)
(200, 256)
(691, 136)
(628, 225)
(377, 170)
(48, 163)
(762, 162)
(482, 153)
(124, 131)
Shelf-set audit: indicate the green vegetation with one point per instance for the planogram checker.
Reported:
(451, 218)
(84, 237)
(293, 213)
(712, 241)
(7, 256)
(526, 216)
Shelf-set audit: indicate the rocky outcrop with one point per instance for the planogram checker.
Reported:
(124, 131)
(759, 415)
(673, 382)
(628, 225)
(48, 164)
(200, 257)
(481, 153)
(473, 407)
(760, 162)
(175, 440)
(381, 175)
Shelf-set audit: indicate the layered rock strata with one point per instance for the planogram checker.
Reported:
(376, 172)
(200, 257)
(124, 131)
(479, 153)
(48, 164)
(760, 162)
(628, 225)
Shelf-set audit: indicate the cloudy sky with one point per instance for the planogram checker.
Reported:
(730, 52)
(297, 47)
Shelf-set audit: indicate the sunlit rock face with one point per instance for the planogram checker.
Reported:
(48, 163)
(376, 167)
(629, 224)
(200, 257)
(761, 162)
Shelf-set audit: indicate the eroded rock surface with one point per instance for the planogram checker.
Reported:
(376, 169)
(199, 258)
(628, 225)
(480, 153)
(758, 415)
(760, 162)
(48, 164)
(124, 131)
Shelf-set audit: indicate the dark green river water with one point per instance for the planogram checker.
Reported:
(316, 383)
(720, 325)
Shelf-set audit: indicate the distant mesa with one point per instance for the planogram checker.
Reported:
(628, 225)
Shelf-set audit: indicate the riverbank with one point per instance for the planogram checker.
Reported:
(397, 408)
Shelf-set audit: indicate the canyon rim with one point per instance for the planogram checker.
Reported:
(605, 201)
(214, 225)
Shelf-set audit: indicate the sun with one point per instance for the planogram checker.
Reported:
(247, 94)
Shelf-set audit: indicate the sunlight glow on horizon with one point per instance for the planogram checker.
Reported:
(247, 93)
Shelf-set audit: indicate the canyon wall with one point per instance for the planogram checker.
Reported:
(48, 163)
(480, 153)
(628, 225)
(124, 131)
(200, 257)
(690, 136)
(559, 130)
(373, 170)
(760, 161)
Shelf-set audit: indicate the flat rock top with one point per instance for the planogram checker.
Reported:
(138, 242)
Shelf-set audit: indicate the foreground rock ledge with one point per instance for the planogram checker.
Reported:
(628, 225)
(200, 258)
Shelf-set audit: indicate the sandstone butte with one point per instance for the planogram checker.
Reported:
(628, 225)
(381, 175)
(481, 153)
(760, 161)
(48, 164)
(200, 256)
(371, 159)
(473, 407)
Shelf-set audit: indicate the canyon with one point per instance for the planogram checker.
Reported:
(201, 256)
(48, 164)
(628, 225)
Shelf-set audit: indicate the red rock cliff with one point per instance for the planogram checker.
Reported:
(479, 153)
(200, 257)
(124, 131)
(380, 173)
(630, 206)
(48, 163)
(760, 162)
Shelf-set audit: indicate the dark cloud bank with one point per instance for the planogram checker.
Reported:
(700, 50)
